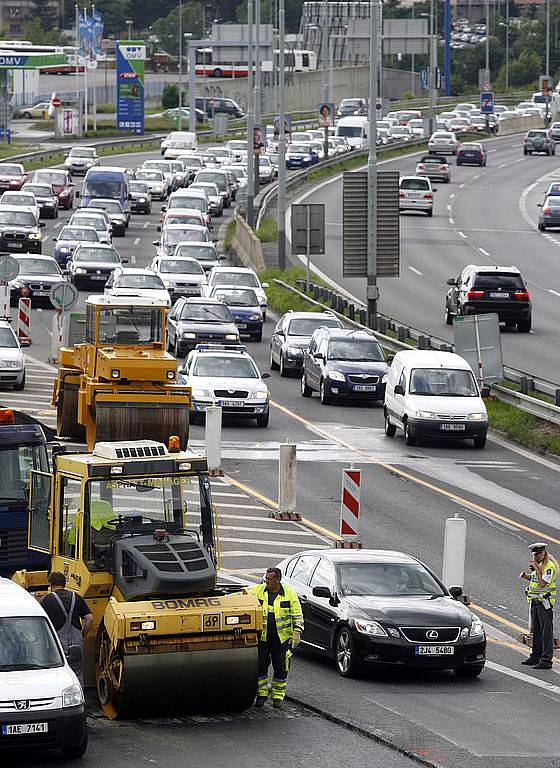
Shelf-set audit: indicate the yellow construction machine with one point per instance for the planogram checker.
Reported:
(120, 383)
(132, 527)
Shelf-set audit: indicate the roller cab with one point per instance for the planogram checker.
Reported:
(120, 383)
(133, 528)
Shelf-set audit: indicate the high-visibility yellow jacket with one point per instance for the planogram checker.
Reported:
(535, 592)
(286, 609)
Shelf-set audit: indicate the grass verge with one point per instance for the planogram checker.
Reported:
(230, 234)
(56, 158)
(267, 231)
(516, 425)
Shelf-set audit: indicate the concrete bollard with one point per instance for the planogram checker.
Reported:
(287, 482)
(363, 317)
(213, 440)
(423, 342)
(454, 552)
(401, 333)
(557, 397)
(524, 385)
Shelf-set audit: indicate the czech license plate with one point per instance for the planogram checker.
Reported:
(452, 427)
(15, 245)
(230, 403)
(499, 295)
(365, 387)
(435, 650)
(98, 277)
(40, 293)
(20, 729)
(413, 195)
(242, 325)
(469, 154)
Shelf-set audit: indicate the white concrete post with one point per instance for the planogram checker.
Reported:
(213, 439)
(60, 331)
(5, 300)
(287, 477)
(454, 552)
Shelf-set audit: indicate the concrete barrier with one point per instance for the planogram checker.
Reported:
(518, 125)
(246, 246)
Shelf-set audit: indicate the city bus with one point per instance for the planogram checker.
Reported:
(296, 60)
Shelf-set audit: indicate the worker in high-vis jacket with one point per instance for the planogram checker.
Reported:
(282, 628)
(541, 594)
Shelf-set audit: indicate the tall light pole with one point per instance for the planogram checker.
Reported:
(412, 59)
(325, 45)
(257, 96)
(281, 137)
(250, 119)
(372, 290)
(129, 24)
(547, 57)
(180, 67)
(487, 62)
(191, 70)
(432, 70)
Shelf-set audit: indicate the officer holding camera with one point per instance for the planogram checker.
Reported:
(541, 594)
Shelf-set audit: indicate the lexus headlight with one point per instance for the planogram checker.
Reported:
(336, 376)
(141, 199)
(477, 628)
(65, 249)
(72, 696)
(370, 628)
(476, 416)
(425, 414)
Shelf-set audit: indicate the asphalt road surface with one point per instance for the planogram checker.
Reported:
(508, 497)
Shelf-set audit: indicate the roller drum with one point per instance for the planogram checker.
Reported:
(67, 412)
(177, 683)
(140, 421)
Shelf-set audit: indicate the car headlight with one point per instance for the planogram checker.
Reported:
(385, 377)
(10, 364)
(81, 271)
(141, 199)
(294, 351)
(202, 393)
(478, 416)
(65, 249)
(158, 188)
(35, 236)
(72, 696)
(255, 317)
(425, 414)
(260, 392)
(188, 335)
(115, 373)
(48, 202)
(336, 376)
(170, 374)
(477, 628)
(369, 628)
(232, 337)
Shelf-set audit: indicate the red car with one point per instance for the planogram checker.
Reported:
(12, 176)
(471, 153)
(61, 183)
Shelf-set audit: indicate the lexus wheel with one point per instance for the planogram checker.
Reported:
(283, 371)
(347, 661)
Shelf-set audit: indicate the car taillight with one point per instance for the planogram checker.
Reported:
(475, 294)
(402, 194)
(522, 295)
(428, 196)
(443, 167)
(546, 211)
(420, 166)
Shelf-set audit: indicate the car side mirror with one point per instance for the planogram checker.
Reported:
(74, 654)
(318, 356)
(452, 281)
(25, 343)
(124, 261)
(322, 592)
(155, 242)
(222, 257)
(399, 390)
(457, 594)
(539, 205)
(163, 208)
(265, 285)
(42, 224)
(265, 375)
(389, 359)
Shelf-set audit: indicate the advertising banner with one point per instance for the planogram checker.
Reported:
(82, 36)
(131, 55)
(98, 31)
(326, 115)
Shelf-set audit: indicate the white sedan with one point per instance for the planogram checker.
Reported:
(128, 281)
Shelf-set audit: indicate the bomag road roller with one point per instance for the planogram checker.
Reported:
(120, 383)
(132, 527)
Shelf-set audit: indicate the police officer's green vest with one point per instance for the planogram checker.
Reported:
(535, 592)
(286, 609)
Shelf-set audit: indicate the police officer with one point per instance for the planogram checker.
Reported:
(541, 594)
(282, 628)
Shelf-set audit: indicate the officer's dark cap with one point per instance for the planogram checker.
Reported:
(538, 546)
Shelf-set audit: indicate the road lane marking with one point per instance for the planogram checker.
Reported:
(462, 234)
(537, 682)
(417, 272)
(136, 241)
(452, 196)
(474, 178)
(484, 252)
(554, 292)
(451, 220)
(145, 225)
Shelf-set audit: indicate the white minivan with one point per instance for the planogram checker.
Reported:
(432, 394)
(41, 699)
(354, 129)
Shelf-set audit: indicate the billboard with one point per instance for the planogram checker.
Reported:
(131, 55)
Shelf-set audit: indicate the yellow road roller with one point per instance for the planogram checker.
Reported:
(133, 528)
(120, 383)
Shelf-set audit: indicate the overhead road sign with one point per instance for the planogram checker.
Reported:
(487, 102)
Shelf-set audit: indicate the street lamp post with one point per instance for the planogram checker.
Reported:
(250, 119)
(129, 24)
(187, 36)
(547, 57)
(257, 96)
(487, 60)
(372, 290)
(432, 70)
(180, 67)
(281, 138)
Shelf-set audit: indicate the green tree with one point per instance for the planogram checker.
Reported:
(170, 96)
(525, 69)
(46, 12)
(33, 30)
(167, 29)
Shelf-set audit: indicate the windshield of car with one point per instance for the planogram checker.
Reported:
(355, 349)
(351, 103)
(352, 131)
(21, 218)
(217, 179)
(442, 136)
(208, 187)
(237, 298)
(206, 313)
(138, 186)
(306, 326)
(188, 202)
(130, 325)
(77, 152)
(181, 267)
(554, 189)
(112, 206)
(236, 278)
(192, 162)
(149, 175)
(13, 198)
(387, 580)
(225, 367)
(105, 186)
(535, 134)
(493, 282)
(78, 233)
(163, 167)
(200, 252)
(58, 178)
(107, 255)
(7, 339)
(151, 282)
(182, 218)
(442, 382)
(28, 642)
(90, 221)
(10, 170)
(421, 184)
(38, 267)
(172, 237)
(42, 190)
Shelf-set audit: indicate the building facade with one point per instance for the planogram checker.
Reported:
(14, 14)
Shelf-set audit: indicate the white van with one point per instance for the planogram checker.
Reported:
(41, 700)
(183, 141)
(354, 129)
(434, 395)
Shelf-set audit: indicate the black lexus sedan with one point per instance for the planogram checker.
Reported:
(367, 606)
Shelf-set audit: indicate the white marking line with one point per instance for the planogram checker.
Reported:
(462, 234)
(451, 220)
(461, 185)
(554, 292)
(448, 207)
(264, 530)
(474, 178)
(221, 505)
(264, 555)
(484, 252)
(550, 687)
(452, 196)
(416, 271)
(145, 225)
(136, 240)
(265, 542)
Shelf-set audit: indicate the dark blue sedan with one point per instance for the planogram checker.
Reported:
(69, 238)
(243, 304)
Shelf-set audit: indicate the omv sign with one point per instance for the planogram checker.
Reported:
(9, 60)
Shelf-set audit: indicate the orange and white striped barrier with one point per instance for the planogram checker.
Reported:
(350, 508)
(24, 321)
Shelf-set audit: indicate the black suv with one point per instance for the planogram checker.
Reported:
(195, 321)
(212, 105)
(344, 363)
(20, 232)
(490, 289)
(291, 338)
